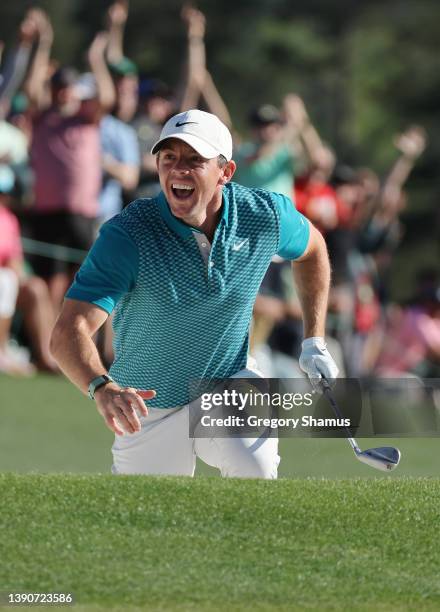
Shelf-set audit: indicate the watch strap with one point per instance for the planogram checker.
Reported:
(98, 382)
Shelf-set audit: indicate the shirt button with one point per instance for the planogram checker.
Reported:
(203, 244)
(211, 264)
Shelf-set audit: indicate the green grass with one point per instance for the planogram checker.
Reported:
(136, 543)
(47, 425)
(210, 544)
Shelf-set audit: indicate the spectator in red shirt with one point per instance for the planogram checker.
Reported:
(320, 203)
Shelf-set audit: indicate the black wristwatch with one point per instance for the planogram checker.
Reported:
(98, 382)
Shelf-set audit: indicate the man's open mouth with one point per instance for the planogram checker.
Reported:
(182, 191)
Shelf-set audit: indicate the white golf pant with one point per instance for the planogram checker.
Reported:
(8, 292)
(163, 447)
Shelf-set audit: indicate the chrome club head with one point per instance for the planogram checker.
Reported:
(385, 458)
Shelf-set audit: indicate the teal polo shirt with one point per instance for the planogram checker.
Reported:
(183, 305)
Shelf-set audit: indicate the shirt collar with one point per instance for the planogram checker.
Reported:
(173, 222)
(225, 208)
(178, 226)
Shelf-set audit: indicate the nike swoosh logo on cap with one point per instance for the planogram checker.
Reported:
(180, 123)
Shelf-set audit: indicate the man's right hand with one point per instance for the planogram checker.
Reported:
(120, 407)
(412, 142)
(43, 25)
(195, 20)
(117, 13)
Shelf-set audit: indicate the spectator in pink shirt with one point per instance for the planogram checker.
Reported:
(65, 154)
(10, 246)
(411, 339)
(28, 294)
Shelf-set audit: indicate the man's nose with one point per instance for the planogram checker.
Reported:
(182, 165)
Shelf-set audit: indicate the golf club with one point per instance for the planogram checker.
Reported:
(385, 458)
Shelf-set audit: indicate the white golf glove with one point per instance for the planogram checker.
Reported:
(316, 362)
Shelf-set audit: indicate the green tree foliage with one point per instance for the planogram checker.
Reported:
(365, 68)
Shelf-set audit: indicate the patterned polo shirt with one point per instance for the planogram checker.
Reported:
(183, 305)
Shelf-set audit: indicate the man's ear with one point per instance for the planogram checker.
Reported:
(157, 160)
(228, 172)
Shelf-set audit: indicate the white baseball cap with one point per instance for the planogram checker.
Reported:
(86, 87)
(202, 131)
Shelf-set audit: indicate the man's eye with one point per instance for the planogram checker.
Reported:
(168, 156)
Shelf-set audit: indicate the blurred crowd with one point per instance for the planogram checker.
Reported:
(75, 149)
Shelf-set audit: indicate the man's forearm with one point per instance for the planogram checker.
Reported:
(14, 71)
(77, 356)
(216, 104)
(106, 90)
(195, 73)
(115, 49)
(312, 278)
(104, 81)
(126, 174)
(396, 179)
(35, 85)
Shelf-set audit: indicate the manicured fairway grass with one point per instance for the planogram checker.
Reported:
(212, 544)
(46, 425)
(135, 543)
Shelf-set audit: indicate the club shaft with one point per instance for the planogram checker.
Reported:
(337, 411)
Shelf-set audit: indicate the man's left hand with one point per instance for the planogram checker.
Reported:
(316, 362)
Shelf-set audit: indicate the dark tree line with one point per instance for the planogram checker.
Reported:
(366, 69)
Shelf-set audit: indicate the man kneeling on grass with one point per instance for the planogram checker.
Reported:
(181, 272)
